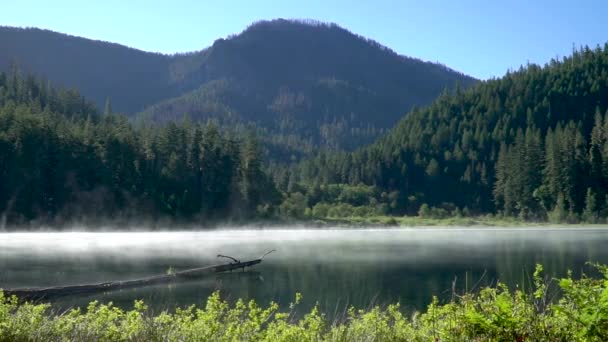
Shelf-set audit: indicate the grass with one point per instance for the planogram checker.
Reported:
(489, 220)
(491, 314)
(417, 221)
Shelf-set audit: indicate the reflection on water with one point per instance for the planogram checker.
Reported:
(332, 267)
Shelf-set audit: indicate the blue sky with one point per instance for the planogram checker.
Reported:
(480, 38)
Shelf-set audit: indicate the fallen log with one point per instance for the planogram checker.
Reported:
(40, 293)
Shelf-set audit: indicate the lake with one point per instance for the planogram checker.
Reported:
(334, 267)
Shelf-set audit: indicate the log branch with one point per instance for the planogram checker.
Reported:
(58, 291)
(228, 257)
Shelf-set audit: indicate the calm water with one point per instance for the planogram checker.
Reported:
(334, 267)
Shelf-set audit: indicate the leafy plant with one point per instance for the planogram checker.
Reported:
(492, 314)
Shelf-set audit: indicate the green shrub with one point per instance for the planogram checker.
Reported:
(320, 210)
(426, 211)
(294, 206)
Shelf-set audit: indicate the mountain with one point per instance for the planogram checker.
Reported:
(313, 81)
(302, 84)
(532, 144)
(99, 70)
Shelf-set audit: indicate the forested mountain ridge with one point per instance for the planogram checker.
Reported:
(308, 80)
(131, 78)
(533, 144)
(301, 83)
(62, 161)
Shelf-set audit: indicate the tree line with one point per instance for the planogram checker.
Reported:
(61, 159)
(530, 144)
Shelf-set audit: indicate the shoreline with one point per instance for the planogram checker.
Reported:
(343, 223)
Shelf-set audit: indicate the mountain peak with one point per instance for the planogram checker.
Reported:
(305, 78)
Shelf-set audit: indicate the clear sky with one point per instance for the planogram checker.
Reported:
(482, 38)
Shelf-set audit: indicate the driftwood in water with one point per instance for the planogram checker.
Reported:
(58, 291)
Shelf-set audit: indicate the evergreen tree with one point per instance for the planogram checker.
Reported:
(108, 107)
(590, 214)
(65, 160)
(251, 173)
(531, 127)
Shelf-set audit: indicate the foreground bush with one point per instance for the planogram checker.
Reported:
(493, 314)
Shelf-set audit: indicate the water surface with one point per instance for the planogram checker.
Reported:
(334, 267)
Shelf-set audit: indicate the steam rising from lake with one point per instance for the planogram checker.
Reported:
(314, 244)
(328, 265)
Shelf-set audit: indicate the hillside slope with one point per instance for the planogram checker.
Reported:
(304, 84)
(61, 162)
(99, 70)
(533, 143)
(315, 81)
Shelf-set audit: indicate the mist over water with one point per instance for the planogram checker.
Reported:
(335, 267)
